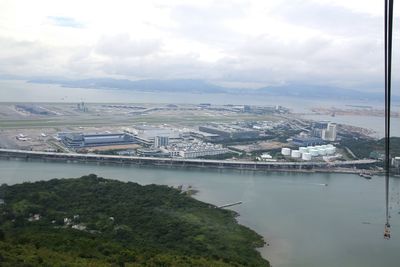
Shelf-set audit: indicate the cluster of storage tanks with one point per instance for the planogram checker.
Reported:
(307, 153)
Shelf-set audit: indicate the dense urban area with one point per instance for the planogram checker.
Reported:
(269, 135)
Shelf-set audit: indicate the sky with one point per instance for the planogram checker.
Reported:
(246, 44)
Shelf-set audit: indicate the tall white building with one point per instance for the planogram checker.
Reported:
(161, 141)
(329, 134)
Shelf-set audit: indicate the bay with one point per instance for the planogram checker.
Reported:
(304, 222)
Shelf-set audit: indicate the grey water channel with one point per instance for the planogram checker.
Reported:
(305, 222)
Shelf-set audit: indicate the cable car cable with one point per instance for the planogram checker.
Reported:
(388, 85)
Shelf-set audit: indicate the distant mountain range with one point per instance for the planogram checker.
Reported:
(201, 86)
(317, 91)
(182, 85)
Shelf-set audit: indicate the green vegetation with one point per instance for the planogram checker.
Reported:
(92, 221)
(362, 148)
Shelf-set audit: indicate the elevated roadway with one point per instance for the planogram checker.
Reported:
(179, 162)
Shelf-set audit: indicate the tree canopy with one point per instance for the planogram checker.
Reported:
(92, 221)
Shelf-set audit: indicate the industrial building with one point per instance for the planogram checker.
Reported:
(34, 109)
(396, 162)
(317, 128)
(147, 135)
(325, 130)
(160, 141)
(286, 151)
(329, 134)
(206, 136)
(230, 132)
(82, 107)
(303, 140)
(81, 140)
(194, 150)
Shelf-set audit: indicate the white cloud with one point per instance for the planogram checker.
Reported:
(123, 45)
(255, 42)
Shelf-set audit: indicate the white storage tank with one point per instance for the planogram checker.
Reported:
(331, 150)
(306, 156)
(303, 149)
(310, 147)
(314, 152)
(322, 151)
(296, 154)
(285, 151)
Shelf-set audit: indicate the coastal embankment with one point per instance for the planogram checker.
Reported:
(353, 166)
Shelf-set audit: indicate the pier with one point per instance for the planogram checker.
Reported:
(230, 205)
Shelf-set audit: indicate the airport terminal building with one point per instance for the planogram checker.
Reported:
(81, 140)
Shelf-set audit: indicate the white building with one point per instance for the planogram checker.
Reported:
(285, 151)
(396, 162)
(306, 156)
(329, 134)
(193, 149)
(161, 141)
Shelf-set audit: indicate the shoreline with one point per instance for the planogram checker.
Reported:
(349, 167)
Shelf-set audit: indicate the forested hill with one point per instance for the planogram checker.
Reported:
(92, 221)
(362, 148)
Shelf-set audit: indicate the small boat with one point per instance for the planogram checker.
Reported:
(386, 233)
(365, 175)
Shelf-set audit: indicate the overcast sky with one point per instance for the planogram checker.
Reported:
(237, 43)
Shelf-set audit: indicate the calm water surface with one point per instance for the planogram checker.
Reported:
(306, 223)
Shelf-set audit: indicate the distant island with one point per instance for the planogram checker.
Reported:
(92, 221)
